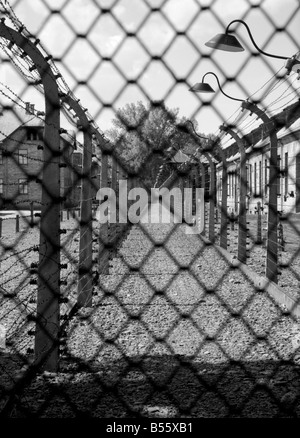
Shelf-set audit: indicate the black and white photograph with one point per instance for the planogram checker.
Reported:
(149, 212)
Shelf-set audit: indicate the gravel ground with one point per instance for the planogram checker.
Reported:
(288, 257)
(173, 332)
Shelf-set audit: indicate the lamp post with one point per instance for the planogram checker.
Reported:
(272, 250)
(229, 43)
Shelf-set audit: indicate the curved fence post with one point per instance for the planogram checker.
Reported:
(47, 317)
(84, 290)
(242, 234)
(272, 244)
(202, 171)
(212, 192)
(103, 228)
(223, 226)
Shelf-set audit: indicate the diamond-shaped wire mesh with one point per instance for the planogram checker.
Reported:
(147, 317)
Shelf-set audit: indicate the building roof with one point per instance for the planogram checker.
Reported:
(295, 126)
(11, 120)
(180, 157)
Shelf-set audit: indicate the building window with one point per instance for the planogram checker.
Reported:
(286, 173)
(23, 186)
(23, 156)
(32, 134)
(1, 186)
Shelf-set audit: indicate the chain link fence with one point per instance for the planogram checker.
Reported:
(147, 270)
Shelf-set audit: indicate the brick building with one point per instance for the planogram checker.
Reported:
(21, 160)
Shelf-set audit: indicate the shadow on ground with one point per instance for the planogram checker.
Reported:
(161, 387)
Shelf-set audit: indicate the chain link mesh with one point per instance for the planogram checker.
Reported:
(145, 319)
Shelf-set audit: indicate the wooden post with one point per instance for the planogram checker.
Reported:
(1, 220)
(68, 214)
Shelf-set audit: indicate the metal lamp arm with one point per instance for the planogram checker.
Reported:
(220, 88)
(253, 42)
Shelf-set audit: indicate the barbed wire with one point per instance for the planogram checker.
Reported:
(111, 297)
(21, 28)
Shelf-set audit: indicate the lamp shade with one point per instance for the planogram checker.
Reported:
(224, 41)
(202, 87)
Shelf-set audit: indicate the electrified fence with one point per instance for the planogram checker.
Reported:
(148, 270)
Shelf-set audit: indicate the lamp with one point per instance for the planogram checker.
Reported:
(204, 87)
(230, 43)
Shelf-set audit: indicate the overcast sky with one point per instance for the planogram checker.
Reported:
(178, 57)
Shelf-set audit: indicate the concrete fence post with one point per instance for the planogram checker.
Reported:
(17, 223)
(47, 316)
(84, 290)
(258, 236)
(272, 244)
(242, 221)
